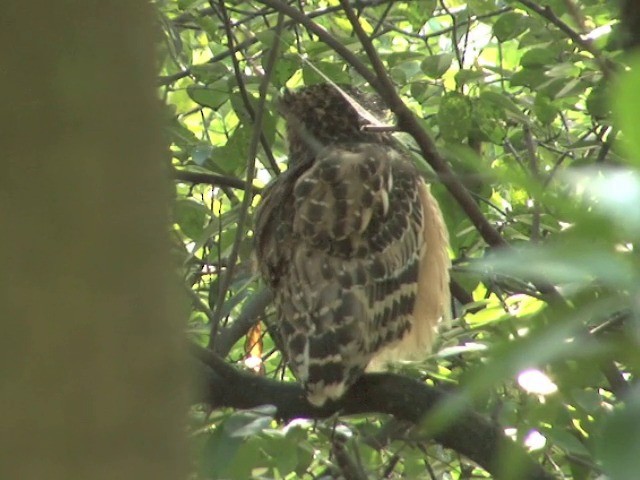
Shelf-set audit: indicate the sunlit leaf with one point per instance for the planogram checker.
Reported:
(626, 101)
(565, 264)
(615, 193)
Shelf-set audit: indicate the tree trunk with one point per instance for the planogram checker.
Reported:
(92, 383)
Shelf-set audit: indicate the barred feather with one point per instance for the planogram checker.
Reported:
(354, 247)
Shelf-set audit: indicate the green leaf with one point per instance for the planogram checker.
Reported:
(418, 89)
(564, 70)
(489, 120)
(398, 75)
(599, 102)
(201, 153)
(612, 193)
(454, 117)
(437, 65)
(510, 25)
(246, 423)
(218, 454)
(186, 4)
(528, 77)
(618, 440)
(285, 68)
(212, 97)
(181, 136)
(567, 441)
(336, 71)
(282, 452)
(248, 459)
(589, 400)
(233, 156)
(480, 7)
(538, 57)
(572, 87)
(545, 110)
(466, 75)
(566, 264)
(504, 102)
(626, 97)
(210, 73)
(191, 216)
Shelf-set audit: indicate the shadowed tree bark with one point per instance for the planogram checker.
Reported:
(92, 382)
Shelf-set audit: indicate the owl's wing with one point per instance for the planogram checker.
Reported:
(345, 262)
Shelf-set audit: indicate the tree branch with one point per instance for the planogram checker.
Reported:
(169, 79)
(212, 179)
(606, 66)
(256, 137)
(244, 95)
(406, 119)
(221, 385)
(248, 317)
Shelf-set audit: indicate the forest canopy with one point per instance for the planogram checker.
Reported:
(523, 117)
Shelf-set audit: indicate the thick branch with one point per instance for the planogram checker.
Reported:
(221, 385)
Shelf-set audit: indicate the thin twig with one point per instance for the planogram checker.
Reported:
(169, 79)
(251, 312)
(454, 32)
(244, 95)
(257, 134)
(212, 179)
(535, 172)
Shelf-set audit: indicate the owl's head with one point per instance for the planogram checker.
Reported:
(328, 114)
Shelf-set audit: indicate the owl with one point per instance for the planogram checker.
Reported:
(351, 242)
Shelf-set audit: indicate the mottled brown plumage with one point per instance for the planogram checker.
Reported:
(351, 242)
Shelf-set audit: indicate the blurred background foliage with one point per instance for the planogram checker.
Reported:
(535, 105)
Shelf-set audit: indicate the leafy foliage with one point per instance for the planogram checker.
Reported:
(522, 110)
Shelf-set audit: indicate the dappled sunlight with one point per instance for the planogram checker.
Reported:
(537, 382)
